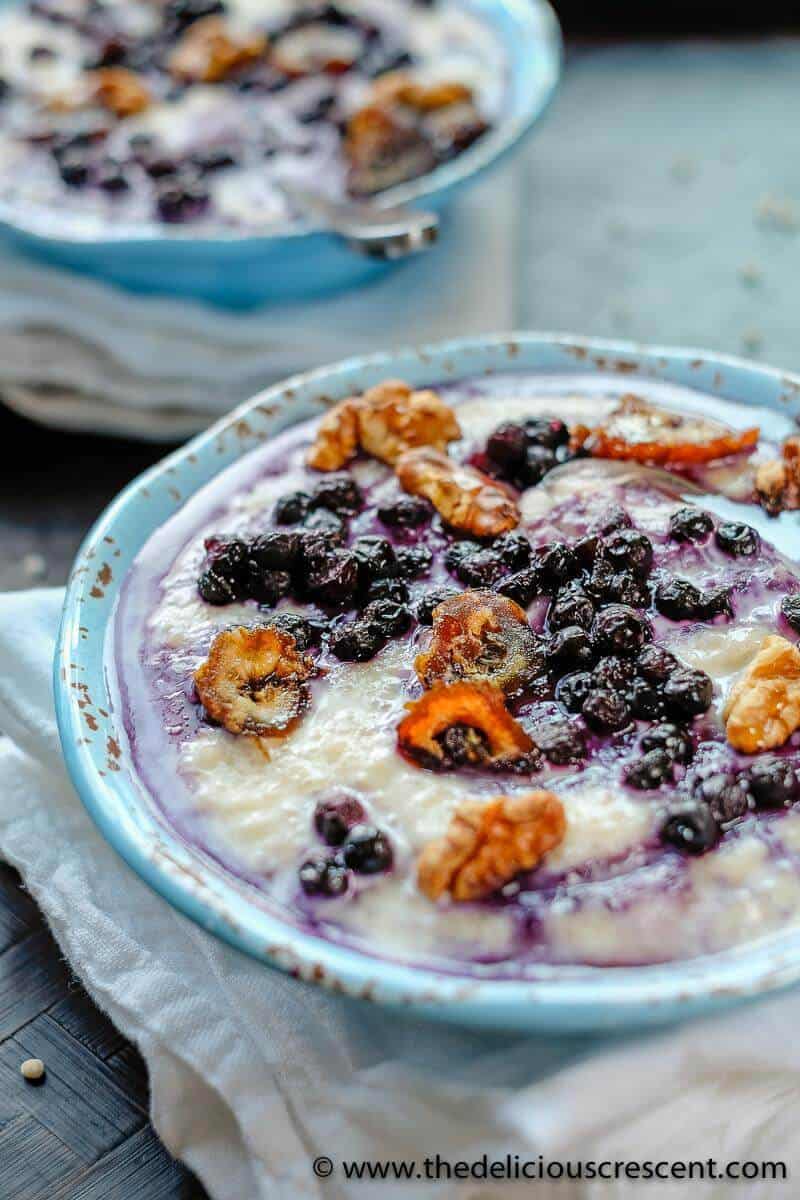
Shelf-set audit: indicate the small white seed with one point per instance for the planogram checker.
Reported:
(32, 1068)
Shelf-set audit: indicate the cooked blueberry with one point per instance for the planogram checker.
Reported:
(680, 600)
(275, 551)
(216, 589)
(561, 742)
(690, 828)
(335, 580)
(387, 589)
(292, 508)
(339, 493)
(522, 587)
(649, 771)
(655, 663)
(266, 587)
(790, 607)
(605, 711)
(413, 561)
(572, 690)
(464, 746)
(228, 555)
(111, 177)
(73, 168)
(391, 619)
(322, 877)
(180, 13)
(214, 158)
(569, 648)
(306, 631)
(458, 551)
(628, 550)
(773, 782)
(357, 641)
(620, 630)
(619, 587)
(546, 431)
(585, 549)
(508, 444)
(367, 850)
(615, 674)
(672, 739)
(406, 513)
(315, 547)
(376, 558)
(738, 539)
(513, 549)
(556, 564)
(725, 794)
(160, 166)
(688, 693)
(430, 601)
(329, 524)
(538, 461)
(336, 816)
(613, 517)
(181, 200)
(690, 525)
(480, 570)
(571, 606)
(646, 700)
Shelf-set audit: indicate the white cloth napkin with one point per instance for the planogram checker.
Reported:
(254, 1074)
(66, 337)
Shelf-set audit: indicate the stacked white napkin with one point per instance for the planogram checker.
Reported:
(84, 355)
(254, 1074)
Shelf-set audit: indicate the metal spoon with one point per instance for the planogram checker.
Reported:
(387, 233)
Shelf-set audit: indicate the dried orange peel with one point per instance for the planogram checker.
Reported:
(480, 635)
(254, 681)
(641, 432)
(474, 706)
(465, 498)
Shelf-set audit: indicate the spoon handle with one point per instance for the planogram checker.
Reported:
(387, 233)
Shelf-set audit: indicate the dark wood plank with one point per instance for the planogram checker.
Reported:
(139, 1169)
(78, 1015)
(81, 1101)
(33, 1161)
(18, 912)
(32, 977)
(130, 1073)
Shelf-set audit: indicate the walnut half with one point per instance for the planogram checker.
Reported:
(463, 497)
(778, 480)
(211, 48)
(488, 844)
(763, 708)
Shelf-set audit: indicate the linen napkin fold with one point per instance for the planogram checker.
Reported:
(254, 1074)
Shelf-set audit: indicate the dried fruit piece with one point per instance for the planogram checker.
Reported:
(647, 434)
(119, 90)
(211, 48)
(488, 844)
(478, 706)
(778, 481)
(462, 496)
(481, 636)
(763, 708)
(337, 437)
(397, 87)
(383, 148)
(253, 680)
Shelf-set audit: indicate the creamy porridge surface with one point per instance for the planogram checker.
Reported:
(612, 891)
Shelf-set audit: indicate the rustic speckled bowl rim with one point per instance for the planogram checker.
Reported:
(558, 999)
(534, 78)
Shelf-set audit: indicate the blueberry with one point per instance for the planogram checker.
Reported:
(322, 877)
(655, 663)
(556, 564)
(388, 589)
(572, 690)
(464, 746)
(357, 641)
(181, 200)
(217, 589)
(111, 177)
(315, 548)
(335, 580)
(688, 693)
(390, 618)
(291, 508)
(223, 581)
(339, 493)
(538, 461)
(376, 558)
(160, 166)
(649, 771)
(73, 168)
(276, 551)
(214, 158)
(336, 816)
(481, 569)
(773, 782)
(306, 631)
(629, 551)
(513, 550)
(618, 587)
(605, 711)
(331, 526)
(790, 607)
(620, 630)
(266, 587)
(367, 850)
(614, 674)
(646, 700)
(585, 550)
(413, 561)
(672, 739)
(571, 606)
(690, 828)
(738, 539)
(680, 600)
(549, 432)
(456, 552)
(430, 601)
(561, 742)
(725, 794)
(522, 587)
(690, 525)
(508, 444)
(613, 517)
(406, 513)
(568, 648)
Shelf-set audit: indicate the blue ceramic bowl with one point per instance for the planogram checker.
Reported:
(563, 998)
(238, 270)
